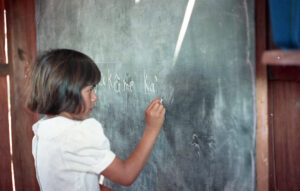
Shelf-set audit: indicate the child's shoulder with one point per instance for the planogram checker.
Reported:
(58, 127)
(90, 123)
(85, 132)
(65, 123)
(89, 126)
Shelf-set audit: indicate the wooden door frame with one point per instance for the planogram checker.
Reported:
(21, 48)
(262, 133)
(5, 161)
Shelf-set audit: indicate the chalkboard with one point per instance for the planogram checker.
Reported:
(197, 55)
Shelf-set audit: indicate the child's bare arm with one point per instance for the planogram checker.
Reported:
(125, 172)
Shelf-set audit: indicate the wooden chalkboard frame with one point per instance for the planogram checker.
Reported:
(262, 135)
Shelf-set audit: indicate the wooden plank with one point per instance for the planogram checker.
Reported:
(281, 58)
(272, 175)
(286, 73)
(262, 134)
(21, 53)
(2, 34)
(4, 70)
(286, 101)
(5, 159)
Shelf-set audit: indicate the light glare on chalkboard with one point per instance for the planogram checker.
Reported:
(185, 23)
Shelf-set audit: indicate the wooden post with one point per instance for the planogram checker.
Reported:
(5, 159)
(262, 136)
(2, 35)
(21, 53)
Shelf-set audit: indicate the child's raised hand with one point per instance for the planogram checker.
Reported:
(125, 172)
(155, 114)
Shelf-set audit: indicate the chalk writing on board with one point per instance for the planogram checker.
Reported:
(149, 86)
(114, 81)
(195, 143)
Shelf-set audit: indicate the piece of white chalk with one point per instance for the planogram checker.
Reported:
(161, 100)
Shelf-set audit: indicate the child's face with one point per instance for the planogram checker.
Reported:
(89, 97)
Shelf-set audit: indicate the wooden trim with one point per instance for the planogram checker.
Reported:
(5, 159)
(281, 58)
(262, 136)
(2, 34)
(21, 53)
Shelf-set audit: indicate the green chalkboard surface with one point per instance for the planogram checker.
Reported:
(197, 55)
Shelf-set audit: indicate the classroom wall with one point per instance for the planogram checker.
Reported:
(206, 79)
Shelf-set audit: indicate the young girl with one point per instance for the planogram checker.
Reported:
(70, 149)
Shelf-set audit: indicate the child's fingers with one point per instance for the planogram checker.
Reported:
(154, 108)
(153, 103)
(162, 109)
(154, 114)
(157, 109)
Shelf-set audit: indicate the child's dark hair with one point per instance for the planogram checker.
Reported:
(56, 80)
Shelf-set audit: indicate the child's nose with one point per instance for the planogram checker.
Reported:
(94, 96)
